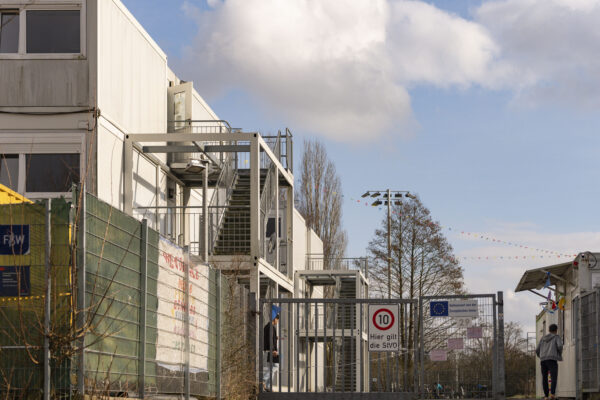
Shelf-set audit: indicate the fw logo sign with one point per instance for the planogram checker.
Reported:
(14, 239)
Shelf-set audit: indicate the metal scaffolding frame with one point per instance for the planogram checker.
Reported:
(261, 205)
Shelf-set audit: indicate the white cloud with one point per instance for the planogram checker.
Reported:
(340, 68)
(551, 47)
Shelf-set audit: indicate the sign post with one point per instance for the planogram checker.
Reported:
(383, 327)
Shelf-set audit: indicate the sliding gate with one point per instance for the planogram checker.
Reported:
(323, 349)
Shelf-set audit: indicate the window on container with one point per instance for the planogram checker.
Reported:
(51, 173)
(9, 170)
(53, 31)
(9, 31)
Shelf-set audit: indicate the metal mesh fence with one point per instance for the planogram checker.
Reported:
(459, 352)
(177, 313)
(151, 317)
(23, 258)
(322, 347)
(588, 331)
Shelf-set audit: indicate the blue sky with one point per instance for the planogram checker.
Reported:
(489, 111)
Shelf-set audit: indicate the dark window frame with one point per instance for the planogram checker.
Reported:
(29, 46)
(14, 180)
(3, 25)
(71, 173)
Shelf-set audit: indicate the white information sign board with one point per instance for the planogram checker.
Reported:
(383, 327)
(463, 308)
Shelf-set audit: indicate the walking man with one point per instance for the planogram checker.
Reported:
(549, 350)
(270, 340)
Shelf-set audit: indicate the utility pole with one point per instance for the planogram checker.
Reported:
(389, 242)
(387, 196)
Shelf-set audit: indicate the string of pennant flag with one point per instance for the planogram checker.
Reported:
(545, 253)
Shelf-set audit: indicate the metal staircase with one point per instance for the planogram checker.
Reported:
(346, 347)
(234, 231)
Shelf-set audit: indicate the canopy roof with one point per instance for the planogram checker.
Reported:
(536, 278)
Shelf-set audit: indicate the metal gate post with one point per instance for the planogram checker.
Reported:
(261, 339)
(578, 355)
(415, 344)
(47, 375)
(500, 346)
(495, 350)
(218, 323)
(186, 294)
(422, 349)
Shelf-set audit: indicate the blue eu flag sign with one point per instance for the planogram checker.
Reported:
(438, 308)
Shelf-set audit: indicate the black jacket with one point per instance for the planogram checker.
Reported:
(270, 341)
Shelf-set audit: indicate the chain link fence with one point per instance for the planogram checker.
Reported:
(460, 355)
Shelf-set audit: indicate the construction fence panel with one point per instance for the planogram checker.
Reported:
(141, 286)
(24, 265)
(459, 347)
(322, 350)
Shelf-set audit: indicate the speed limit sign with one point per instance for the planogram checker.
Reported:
(383, 327)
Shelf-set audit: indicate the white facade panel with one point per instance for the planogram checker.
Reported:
(132, 72)
(315, 244)
(299, 236)
(110, 166)
(44, 83)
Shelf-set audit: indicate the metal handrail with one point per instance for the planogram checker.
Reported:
(347, 263)
(228, 177)
(212, 121)
(266, 200)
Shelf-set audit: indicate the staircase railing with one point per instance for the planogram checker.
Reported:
(221, 197)
(268, 195)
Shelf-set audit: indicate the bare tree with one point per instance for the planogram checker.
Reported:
(422, 264)
(422, 260)
(319, 199)
(238, 361)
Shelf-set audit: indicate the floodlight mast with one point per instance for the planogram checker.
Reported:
(388, 195)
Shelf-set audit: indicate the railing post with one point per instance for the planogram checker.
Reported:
(127, 176)
(259, 367)
(186, 294)
(218, 324)
(205, 244)
(500, 365)
(422, 348)
(495, 388)
(143, 308)
(47, 373)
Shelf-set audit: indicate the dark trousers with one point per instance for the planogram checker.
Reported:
(552, 367)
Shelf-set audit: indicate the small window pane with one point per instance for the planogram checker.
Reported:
(53, 31)
(9, 170)
(51, 172)
(9, 32)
